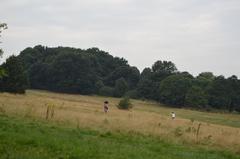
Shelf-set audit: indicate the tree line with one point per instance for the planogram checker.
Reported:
(93, 71)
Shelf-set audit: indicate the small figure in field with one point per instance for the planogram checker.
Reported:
(105, 107)
(173, 115)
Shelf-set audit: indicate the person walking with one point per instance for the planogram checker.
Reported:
(173, 115)
(105, 107)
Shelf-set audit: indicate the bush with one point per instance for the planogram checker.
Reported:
(125, 104)
(178, 131)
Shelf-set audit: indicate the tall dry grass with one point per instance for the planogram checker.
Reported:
(145, 118)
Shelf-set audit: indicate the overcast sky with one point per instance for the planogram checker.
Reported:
(197, 35)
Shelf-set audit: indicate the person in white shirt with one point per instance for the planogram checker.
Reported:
(173, 115)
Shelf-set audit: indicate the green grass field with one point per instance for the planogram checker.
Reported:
(80, 129)
(28, 139)
(221, 118)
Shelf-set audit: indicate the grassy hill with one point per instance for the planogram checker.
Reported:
(76, 127)
(24, 139)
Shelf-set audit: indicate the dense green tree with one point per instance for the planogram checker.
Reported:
(204, 80)
(121, 87)
(40, 76)
(234, 93)
(146, 73)
(98, 85)
(94, 71)
(162, 69)
(103, 63)
(130, 74)
(185, 74)
(146, 84)
(174, 88)
(164, 66)
(132, 94)
(106, 91)
(75, 70)
(16, 80)
(152, 77)
(31, 56)
(206, 75)
(71, 72)
(196, 97)
(146, 88)
(219, 93)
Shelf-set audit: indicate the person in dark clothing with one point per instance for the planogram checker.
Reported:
(105, 107)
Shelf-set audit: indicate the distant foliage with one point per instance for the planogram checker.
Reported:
(125, 103)
(196, 97)
(71, 70)
(15, 80)
(132, 94)
(106, 91)
(121, 87)
(173, 89)
(93, 71)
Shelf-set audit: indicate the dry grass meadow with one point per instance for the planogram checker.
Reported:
(191, 127)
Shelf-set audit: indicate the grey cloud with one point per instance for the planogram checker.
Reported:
(196, 35)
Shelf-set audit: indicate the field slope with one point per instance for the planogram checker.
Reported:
(77, 128)
(24, 139)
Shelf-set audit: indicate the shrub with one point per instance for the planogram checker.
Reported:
(178, 131)
(206, 140)
(125, 103)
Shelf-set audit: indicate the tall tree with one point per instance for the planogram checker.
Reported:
(219, 93)
(196, 97)
(163, 69)
(204, 80)
(16, 79)
(146, 73)
(71, 72)
(174, 88)
(164, 66)
(234, 93)
(130, 74)
(121, 87)
(95, 71)
(146, 88)
(3, 26)
(206, 75)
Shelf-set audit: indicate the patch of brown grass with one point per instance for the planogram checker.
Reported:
(145, 117)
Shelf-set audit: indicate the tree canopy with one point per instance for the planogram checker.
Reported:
(16, 80)
(93, 71)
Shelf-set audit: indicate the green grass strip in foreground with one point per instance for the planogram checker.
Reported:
(25, 139)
